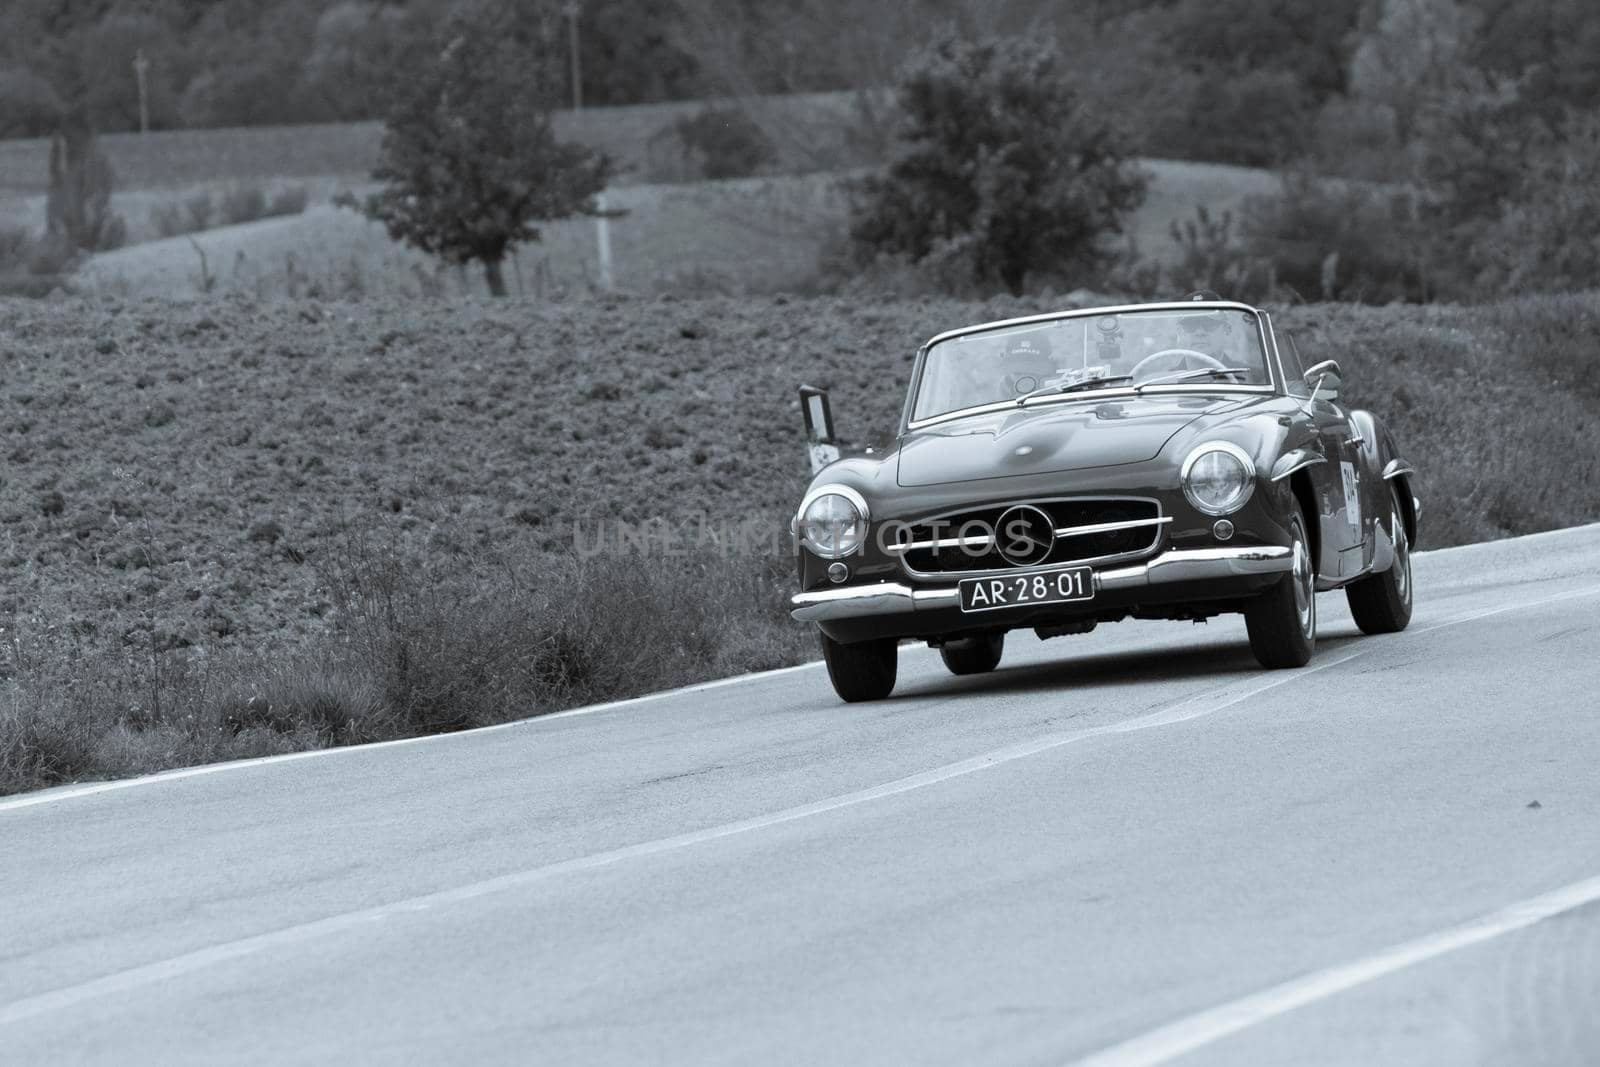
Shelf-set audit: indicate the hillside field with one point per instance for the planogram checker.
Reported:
(637, 137)
(680, 236)
(734, 237)
(205, 502)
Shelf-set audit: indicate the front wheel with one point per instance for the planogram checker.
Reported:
(1282, 622)
(861, 671)
(974, 655)
(1381, 603)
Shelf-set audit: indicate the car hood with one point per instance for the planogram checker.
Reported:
(1047, 438)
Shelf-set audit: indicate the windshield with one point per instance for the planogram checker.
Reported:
(1194, 348)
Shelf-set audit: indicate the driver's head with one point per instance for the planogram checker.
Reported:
(1204, 332)
(1027, 363)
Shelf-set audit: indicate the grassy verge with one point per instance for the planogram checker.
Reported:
(329, 523)
(421, 649)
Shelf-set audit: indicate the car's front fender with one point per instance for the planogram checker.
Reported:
(1383, 466)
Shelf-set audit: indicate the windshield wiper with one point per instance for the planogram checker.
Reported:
(1075, 387)
(1189, 374)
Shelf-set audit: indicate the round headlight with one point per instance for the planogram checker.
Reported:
(1218, 478)
(833, 521)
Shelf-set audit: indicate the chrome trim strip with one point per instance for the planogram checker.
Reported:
(1177, 565)
(1198, 564)
(1396, 467)
(1298, 459)
(1063, 531)
(943, 542)
(1108, 527)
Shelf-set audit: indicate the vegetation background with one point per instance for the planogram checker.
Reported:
(272, 479)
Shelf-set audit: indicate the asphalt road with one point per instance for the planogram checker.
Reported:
(1131, 843)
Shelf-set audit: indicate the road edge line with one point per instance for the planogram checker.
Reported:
(86, 789)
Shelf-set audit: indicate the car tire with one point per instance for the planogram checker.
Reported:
(1282, 622)
(861, 671)
(1381, 603)
(974, 655)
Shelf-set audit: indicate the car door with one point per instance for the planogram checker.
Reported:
(1337, 481)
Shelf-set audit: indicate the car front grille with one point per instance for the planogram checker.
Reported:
(1085, 530)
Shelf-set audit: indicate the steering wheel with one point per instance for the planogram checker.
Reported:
(1184, 352)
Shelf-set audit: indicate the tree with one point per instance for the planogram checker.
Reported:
(1548, 46)
(1307, 38)
(78, 207)
(1546, 237)
(355, 44)
(1410, 58)
(999, 167)
(469, 158)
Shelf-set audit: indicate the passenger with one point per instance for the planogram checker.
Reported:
(1027, 364)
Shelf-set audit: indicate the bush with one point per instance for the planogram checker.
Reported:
(200, 210)
(1212, 257)
(1255, 118)
(290, 200)
(79, 202)
(1355, 138)
(1000, 171)
(167, 220)
(242, 203)
(1337, 240)
(724, 142)
(1547, 237)
(34, 266)
(29, 105)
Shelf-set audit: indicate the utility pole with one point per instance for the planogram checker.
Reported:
(570, 9)
(602, 224)
(140, 65)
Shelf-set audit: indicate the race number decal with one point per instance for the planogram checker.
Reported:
(1352, 495)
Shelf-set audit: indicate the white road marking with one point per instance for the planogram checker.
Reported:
(1185, 710)
(136, 977)
(1184, 1036)
(96, 788)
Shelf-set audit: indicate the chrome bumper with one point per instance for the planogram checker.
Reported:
(1178, 565)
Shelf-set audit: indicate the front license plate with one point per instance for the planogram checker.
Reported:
(1041, 587)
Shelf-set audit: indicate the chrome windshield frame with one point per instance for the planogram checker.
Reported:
(1269, 358)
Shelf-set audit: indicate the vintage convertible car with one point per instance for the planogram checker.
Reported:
(1153, 461)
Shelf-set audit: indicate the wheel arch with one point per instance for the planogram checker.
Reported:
(1408, 506)
(1305, 494)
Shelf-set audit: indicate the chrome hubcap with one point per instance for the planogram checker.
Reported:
(1402, 560)
(1305, 603)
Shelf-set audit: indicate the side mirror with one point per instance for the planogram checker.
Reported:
(820, 440)
(1325, 380)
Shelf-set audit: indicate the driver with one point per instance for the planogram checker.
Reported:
(1204, 333)
(1027, 363)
